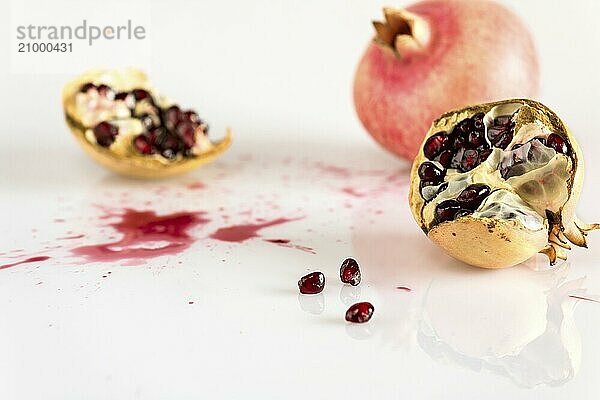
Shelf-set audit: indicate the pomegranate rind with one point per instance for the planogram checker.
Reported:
(497, 243)
(123, 158)
(488, 243)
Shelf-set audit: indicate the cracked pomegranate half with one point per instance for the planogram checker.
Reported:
(496, 183)
(125, 125)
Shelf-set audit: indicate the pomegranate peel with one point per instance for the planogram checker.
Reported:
(516, 199)
(120, 120)
(437, 55)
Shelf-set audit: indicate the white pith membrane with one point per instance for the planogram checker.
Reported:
(90, 108)
(527, 180)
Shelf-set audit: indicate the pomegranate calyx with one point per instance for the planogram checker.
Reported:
(402, 31)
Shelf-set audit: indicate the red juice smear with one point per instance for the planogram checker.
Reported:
(141, 230)
(71, 237)
(27, 261)
(584, 298)
(287, 243)
(404, 288)
(353, 192)
(243, 232)
(196, 186)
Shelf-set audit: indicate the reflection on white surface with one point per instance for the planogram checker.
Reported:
(349, 294)
(360, 331)
(312, 303)
(508, 323)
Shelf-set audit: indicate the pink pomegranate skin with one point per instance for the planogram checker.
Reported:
(478, 51)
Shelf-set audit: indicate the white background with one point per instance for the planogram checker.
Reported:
(279, 73)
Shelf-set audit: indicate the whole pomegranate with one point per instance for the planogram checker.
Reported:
(125, 125)
(435, 56)
(495, 183)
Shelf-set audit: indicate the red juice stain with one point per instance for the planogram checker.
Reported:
(145, 235)
(404, 288)
(334, 170)
(71, 237)
(584, 298)
(196, 186)
(190, 302)
(243, 232)
(27, 261)
(59, 220)
(352, 192)
(287, 243)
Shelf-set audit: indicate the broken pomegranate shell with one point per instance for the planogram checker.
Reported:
(125, 125)
(496, 183)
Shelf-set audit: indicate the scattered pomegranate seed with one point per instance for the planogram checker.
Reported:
(360, 312)
(312, 283)
(350, 272)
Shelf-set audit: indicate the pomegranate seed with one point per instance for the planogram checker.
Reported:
(473, 195)
(312, 283)
(186, 132)
(446, 210)
(121, 96)
(503, 120)
(478, 122)
(484, 154)
(169, 144)
(191, 116)
(350, 272)
(435, 144)
(476, 139)
(172, 117)
(105, 133)
(360, 312)
(428, 171)
(557, 143)
(141, 94)
(87, 87)
(504, 140)
(469, 160)
(142, 144)
(464, 126)
(459, 142)
(446, 158)
(106, 91)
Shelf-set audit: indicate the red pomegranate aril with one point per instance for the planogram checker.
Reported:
(121, 96)
(504, 140)
(312, 283)
(191, 116)
(186, 132)
(484, 154)
(105, 133)
(141, 94)
(142, 144)
(360, 312)
(557, 143)
(435, 144)
(147, 121)
(350, 272)
(172, 117)
(106, 91)
(446, 210)
(428, 171)
(478, 122)
(471, 197)
(445, 158)
(87, 87)
(169, 144)
(476, 139)
(459, 142)
(469, 160)
(464, 126)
